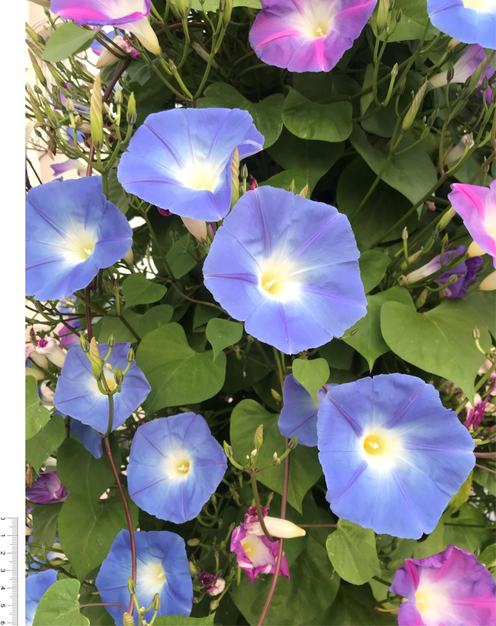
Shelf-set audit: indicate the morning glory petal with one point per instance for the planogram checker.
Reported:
(77, 392)
(288, 268)
(469, 21)
(98, 13)
(35, 588)
(163, 568)
(299, 413)
(174, 467)
(72, 231)
(392, 455)
(180, 160)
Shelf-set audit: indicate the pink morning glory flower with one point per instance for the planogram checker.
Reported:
(450, 588)
(477, 207)
(308, 35)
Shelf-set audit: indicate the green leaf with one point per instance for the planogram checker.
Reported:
(305, 467)
(468, 529)
(398, 173)
(367, 338)
(67, 40)
(80, 472)
(310, 120)
(157, 316)
(59, 606)
(87, 529)
(308, 593)
(432, 544)
(184, 255)
(461, 497)
(488, 557)
(354, 606)
(48, 439)
(311, 158)
(116, 193)
(484, 302)
(266, 113)
(485, 479)
(434, 341)
(414, 20)
(381, 211)
(36, 415)
(337, 354)
(177, 374)
(45, 518)
(213, 5)
(223, 333)
(311, 374)
(139, 290)
(373, 266)
(353, 553)
(284, 179)
(180, 620)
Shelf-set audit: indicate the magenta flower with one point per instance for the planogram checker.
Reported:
(475, 413)
(212, 585)
(477, 207)
(47, 489)
(466, 65)
(450, 588)
(98, 13)
(308, 35)
(256, 554)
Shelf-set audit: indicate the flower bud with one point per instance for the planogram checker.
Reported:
(192, 568)
(96, 114)
(111, 341)
(37, 69)
(412, 112)
(129, 257)
(85, 346)
(130, 355)
(52, 351)
(398, 16)
(118, 96)
(198, 228)
(193, 542)
(258, 439)
(226, 17)
(228, 451)
(131, 110)
(293, 443)
(276, 395)
(421, 300)
(404, 234)
(127, 619)
(244, 171)
(281, 528)
(304, 191)
(95, 359)
(489, 283)
(156, 602)
(145, 33)
(131, 586)
(106, 59)
(292, 186)
(382, 15)
(235, 177)
(118, 376)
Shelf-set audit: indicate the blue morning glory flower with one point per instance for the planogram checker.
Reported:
(72, 231)
(77, 392)
(89, 437)
(35, 587)
(180, 160)
(288, 268)
(163, 568)
(299, 413)
(392, 455)
(469, 21)
(174, 467)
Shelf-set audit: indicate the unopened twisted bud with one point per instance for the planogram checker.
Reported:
(235, 177)
(258, 439)
(128, 619)
(96, 114)
(131, 110)
(414, 109)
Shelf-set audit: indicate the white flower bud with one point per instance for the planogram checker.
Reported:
(281, 528)
(489, 283)
(198, 228)
(51, 350)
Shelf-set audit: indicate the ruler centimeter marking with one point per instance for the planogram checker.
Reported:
(9, 572)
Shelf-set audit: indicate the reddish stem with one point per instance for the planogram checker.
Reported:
(485, 455)
(488, 469)
(128, 516)
(280, 552)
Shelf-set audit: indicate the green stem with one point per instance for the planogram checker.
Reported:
(259, 507)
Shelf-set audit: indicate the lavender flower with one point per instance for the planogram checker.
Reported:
(47, 489)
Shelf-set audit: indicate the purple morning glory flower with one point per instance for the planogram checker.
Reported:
(163, 568)
(477, 208)
(299, 413)
(180, 160)
(392, 455)
(450, 588)
(212, 585)
(469, 21)
(77, 392)
(98, 13)
(255, 553)
(466, 65)
(72, 231)
(174, 467)
(35, 588)
(308, 35)
(288, 268)
(47, 489)
(466, 271)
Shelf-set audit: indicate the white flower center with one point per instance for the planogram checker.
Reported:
(431, 602)
(317, 18)
(480, 5)
(255, 549)
(178, 465)
(380, 448)
(79, 246)
(199, 175)
(152, 577)
(275, 280)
